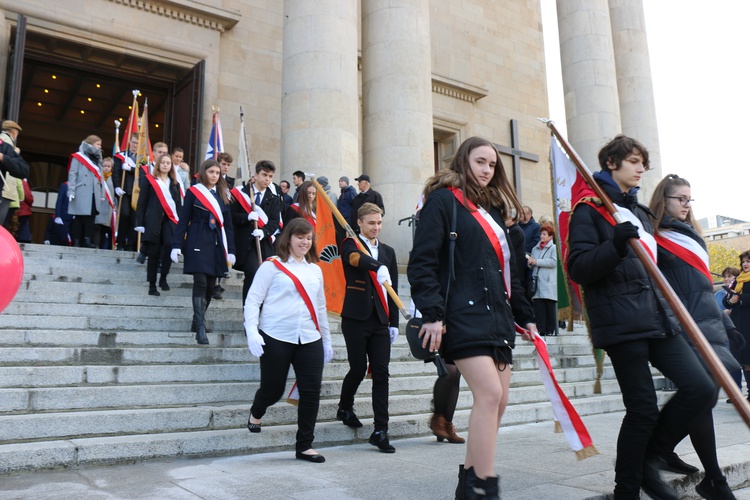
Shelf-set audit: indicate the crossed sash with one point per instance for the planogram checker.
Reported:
(204, 196)
(246, 203)
(162, 192)
(687, 249)
(90, 165)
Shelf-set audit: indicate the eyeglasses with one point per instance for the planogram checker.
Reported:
(685, 202)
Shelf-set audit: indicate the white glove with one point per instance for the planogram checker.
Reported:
(252, 216)
(231, 258)
(258, 233)
(58, 220)
(139, 229)
(393, 333)
(327, 352)
(384, 275)
(71, 196)
(255, 343)
(175, 255)
(119, 191)
(126, 167)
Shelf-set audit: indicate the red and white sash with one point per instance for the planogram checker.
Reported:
(124, 158)
(165, 197)
(381, 291)
(247, 204)
(203, 194)
(687, 249)
(308, 218)
(494, 233)
(90, 165)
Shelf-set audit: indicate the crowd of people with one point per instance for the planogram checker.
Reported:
(475, 242)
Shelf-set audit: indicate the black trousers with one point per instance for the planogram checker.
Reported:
(126, 235)
(307, 361)
(203, 286)
(365, 340)
(646, 430)
(545, 311)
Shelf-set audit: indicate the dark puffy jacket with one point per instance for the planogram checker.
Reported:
(479, 313)
(622, 302)
(697, 294)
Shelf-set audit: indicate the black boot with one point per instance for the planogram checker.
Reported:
(715, 489)
(87, 243)
(461, 481)
(152, 290)
(480, 489)
(199, 310)
(163, 283)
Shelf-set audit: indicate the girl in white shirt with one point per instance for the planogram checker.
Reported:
(292, 329)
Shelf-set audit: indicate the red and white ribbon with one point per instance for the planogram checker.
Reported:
(212, 205)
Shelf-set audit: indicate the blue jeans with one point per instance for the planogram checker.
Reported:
(645, 430)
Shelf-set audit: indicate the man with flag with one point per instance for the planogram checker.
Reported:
(369, 321)
(632, 321)
(123, 178)
(256, 215)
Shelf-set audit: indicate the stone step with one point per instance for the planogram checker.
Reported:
(112, 449)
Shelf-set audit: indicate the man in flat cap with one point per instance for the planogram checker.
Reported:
(12, 166)
(366, 195)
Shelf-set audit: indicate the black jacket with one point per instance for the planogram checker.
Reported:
(150, 213)
(361, 297)
(622, 302)
(12, 163)
(479, 312)
(118, 173)
(371, 196)
(243, 229)
(697, 294)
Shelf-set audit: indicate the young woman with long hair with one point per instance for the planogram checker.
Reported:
(304, 206)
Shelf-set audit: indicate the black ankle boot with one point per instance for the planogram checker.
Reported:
(715, 489)
(153, 291)
(87, 243)
(461, 481)
(199, 310)
(480, 489)
(163, 283)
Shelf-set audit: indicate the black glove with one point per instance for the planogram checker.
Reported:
(623, 232)
(736, 341)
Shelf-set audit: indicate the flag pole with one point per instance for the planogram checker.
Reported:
(252, 198)
(351, 234)
(688, 324)
(117, 150)
(122, 180)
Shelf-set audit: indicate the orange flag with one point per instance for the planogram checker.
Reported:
(144, 156)
(330, 259)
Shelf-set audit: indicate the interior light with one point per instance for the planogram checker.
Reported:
(46, 91)
(39, 104)
(98, 86)
(89, 99)
(54, 77)
(130, 107)
(82, 111)
(156, 125)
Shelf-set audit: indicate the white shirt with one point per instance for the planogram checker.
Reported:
(374, 252)
(285, 315)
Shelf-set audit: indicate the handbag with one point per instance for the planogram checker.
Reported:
(414, 325)
(533, 283)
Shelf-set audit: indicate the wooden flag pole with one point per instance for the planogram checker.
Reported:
(691, 329)
(350, 233)
(252, 197)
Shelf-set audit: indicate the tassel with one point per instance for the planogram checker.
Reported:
(293, 397)
(558, 427)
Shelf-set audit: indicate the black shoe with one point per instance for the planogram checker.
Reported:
(349, 418)
(153, 291)
(254, 428)
(653, 484)
(220, 288)
(163, 284)
(380, 439)
(461, 480)
(316, 459)
(217, 294)
(676, 464)
(475, 488)
(141, 259)
(715, 489)
(729, 401)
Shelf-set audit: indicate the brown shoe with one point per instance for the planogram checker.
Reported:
(452, 436)
(438, 424)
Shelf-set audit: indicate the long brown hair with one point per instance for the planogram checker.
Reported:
(499, 192)
(171, 173)
(305, 205)
(297, 226)
(221, 186)
(662, 191)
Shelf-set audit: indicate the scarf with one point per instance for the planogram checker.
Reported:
(740, 281)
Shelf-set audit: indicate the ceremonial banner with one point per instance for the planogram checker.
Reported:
(330, 260)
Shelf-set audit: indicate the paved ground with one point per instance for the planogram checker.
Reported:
(533, 463)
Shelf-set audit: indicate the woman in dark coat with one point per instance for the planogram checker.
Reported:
(477, 328)
(304, 206)
(209, 244)
(739, 302)
(684, 261)
(159, 204)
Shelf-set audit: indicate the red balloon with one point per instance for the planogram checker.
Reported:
(11, 268)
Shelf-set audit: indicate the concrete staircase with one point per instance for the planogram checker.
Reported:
(94, 370)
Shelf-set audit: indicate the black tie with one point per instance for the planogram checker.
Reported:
(257, 198)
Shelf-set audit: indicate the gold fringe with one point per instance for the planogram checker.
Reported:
(558, 427)
(598, 385)
(587, 452)
(293, 402)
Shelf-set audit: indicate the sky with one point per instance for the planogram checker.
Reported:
(699, 67)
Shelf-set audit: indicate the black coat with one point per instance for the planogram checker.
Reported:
(622, 302)
(243, 228)
(361, 297)
(151, 215)
(118, 172)
(203, 248)
(12, 163)
(479, 312)
(697, 294)
(741, 318)
(371, 196)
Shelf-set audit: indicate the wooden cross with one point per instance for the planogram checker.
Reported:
(517, 154)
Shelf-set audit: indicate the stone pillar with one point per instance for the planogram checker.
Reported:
(634, 84)
(4, 53)
(320, 101)
(397, 109)
(589, 78)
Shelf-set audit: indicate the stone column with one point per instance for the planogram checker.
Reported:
(589, 78)
(320, 102)
(634, 84)
(397, 109)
